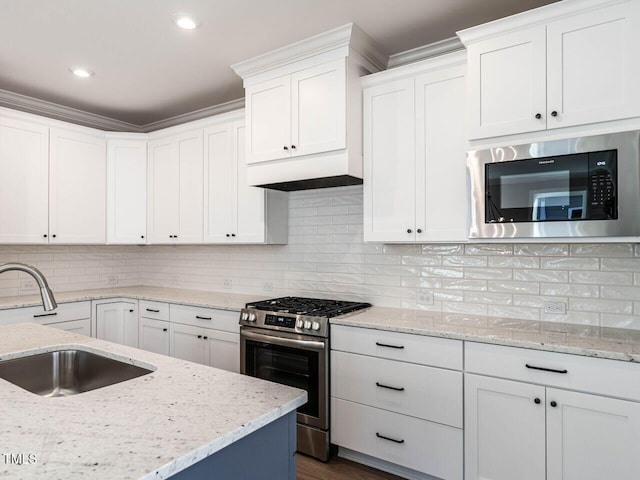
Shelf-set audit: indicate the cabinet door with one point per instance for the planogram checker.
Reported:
(81, 327)
(591, 437)
(24, 182)
(269, 120)
(592, 66)
(191, 185)
(117, 322)
(441, 191)
(126, 191)
(188, 343)
(154, 335)
(176, 189)
(319, 108)
(504, 429)
(77, 187)
(223, 350)
(506, 84)
(389, 162)
(248, 202)
(219, 186)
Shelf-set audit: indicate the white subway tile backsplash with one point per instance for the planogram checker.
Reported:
(326, 256)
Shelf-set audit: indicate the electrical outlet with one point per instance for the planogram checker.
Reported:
(28, 285)
(112, 279)
(424, 299)
(267, 287)
(226, 283)
(555, 308)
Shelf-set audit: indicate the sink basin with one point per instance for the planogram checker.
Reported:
(67, 372)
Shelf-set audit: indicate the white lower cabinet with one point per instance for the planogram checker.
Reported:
(388, 402)
(117, 321)
(207, 336)
(81, 327)
(526, 431)
(153, 335)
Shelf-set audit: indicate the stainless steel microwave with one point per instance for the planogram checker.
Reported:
(577, 187)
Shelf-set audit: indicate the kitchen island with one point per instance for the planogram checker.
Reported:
(183, 420)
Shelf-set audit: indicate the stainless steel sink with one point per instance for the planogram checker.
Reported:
(67, 372)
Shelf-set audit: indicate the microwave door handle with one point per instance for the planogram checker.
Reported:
(285, 342)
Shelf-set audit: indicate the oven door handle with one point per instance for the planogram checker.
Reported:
(285, 342)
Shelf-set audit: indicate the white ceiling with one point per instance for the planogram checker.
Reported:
(146, 69)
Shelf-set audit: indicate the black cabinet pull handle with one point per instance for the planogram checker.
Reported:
(141, 236)
(199, 336)
(153, 310)
(233, 234)
(553, 370)
(389, 346)
(553, 403)
(45, 235)
(205, 337)
(228, 235)
(419, 230)
(202, 318)
(554, 114)
(286, 148)
(409, 230)
(536, 401)
(52, 314)
(397, 389)
(538, 116)
(54, 235)
(293, 147)
(131, 310)
(164, 329)
(394, 440)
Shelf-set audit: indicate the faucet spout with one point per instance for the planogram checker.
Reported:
(48, 301)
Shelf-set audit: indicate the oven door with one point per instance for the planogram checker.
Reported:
(290, 359)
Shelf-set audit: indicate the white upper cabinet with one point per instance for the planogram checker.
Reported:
(414, 153)
(126, 188)
(565, 64)
(300, 102)
(77, 187)
(24, 182)
(298, 114)
(234, 211)
(175, 188)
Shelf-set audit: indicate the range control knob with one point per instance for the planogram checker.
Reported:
(307, 324)
(299, 323)
(244, 316)
(315, 326)
(252, 317)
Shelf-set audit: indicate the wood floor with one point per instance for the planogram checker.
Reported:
(337, 469)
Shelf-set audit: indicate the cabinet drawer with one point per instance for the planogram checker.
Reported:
(225, 320)
(424, 392)
(437, 352)
(420, 445)
(155, 310)
(594, 375)
(64, 313)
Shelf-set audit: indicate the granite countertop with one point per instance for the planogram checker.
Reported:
(601, 342)
(150, 427)
(198, 298)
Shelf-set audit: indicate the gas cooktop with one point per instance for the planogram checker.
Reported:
(316, 307)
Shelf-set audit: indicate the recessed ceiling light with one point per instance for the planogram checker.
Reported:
(81, 72)
(185, 20)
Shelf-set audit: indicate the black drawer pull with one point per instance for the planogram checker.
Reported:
(533, 367)
(202, 318)
(394, 440)
(389, 346)
(52, 314)
(397, 389)
(153, 310)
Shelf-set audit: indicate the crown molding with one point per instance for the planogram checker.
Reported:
(24, 103)
(27, 104)
(193, 116)
(425, 52)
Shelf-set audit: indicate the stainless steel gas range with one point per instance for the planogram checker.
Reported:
(286, 340)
